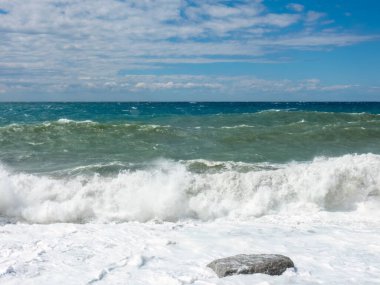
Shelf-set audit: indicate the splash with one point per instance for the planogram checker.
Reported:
(170, 191)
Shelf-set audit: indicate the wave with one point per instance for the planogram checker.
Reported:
(170, 191)
(256, 125)
(68, 121)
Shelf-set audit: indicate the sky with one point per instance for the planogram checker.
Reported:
(189, 50)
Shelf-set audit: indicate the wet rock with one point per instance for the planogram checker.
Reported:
(272, 264)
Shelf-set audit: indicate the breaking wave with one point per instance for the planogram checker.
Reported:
(170, 191)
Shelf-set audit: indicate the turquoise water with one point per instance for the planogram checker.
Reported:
(116, 162)
(54, 137)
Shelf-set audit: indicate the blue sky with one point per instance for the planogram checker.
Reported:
(256, 50)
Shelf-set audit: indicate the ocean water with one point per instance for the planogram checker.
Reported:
(155, 182)
(140, 161)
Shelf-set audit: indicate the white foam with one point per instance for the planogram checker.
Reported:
(68, 121)
(237, 126)
(177, 253)
(168, 191)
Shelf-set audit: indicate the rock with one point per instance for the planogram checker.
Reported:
(272, 264)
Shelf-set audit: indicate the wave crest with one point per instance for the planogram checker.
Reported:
(170, 191)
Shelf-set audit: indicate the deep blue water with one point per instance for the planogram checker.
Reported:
(39, 112)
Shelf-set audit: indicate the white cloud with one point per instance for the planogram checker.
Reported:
(320, 40)
(295, 7)
(55, 45)
(171, 82)
(177, 84)
(226, 84)
(340, 87)
(172, 85)
(313, 16)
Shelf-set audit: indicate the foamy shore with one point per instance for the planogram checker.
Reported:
(162, 225)
(327, 248)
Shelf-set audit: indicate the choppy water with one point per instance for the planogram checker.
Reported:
(137, 161)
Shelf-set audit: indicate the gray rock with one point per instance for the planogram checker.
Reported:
(272, 264)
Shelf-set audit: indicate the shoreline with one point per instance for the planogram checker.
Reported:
(339, 251)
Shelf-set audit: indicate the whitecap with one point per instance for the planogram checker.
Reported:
(169, 191)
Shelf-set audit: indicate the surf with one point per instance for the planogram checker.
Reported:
(170, 191)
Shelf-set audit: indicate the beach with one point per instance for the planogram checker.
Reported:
(326, 249)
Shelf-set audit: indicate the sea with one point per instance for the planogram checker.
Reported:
(151, 192)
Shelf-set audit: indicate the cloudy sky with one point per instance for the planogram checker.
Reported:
(189, 50)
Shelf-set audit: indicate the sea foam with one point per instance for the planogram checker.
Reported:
(169, 191)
